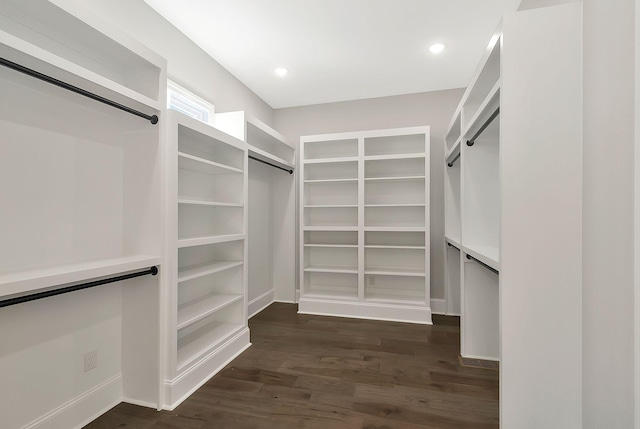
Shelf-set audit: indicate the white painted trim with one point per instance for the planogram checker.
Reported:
(140, 403)
(491, 358)
(84, 408)
(636, 217)
(439, 306)
(258, 304)
(182, 386)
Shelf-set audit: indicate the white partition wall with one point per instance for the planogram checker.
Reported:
(514, 211)
(364, 214)
(81, 200)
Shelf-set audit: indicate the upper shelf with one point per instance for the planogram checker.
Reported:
(81, 50)
(263, 142)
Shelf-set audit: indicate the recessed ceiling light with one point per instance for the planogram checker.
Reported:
(436, 48)
(281, 71)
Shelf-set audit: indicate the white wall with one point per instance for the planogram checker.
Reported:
(431, 108)
(608, 289)
(260, 281)
(188, 65)
(42, 353)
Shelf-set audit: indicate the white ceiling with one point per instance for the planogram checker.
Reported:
(338, 50)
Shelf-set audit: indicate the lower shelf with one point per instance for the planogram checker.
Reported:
(206, 337)
(192, 312)
(396, 312)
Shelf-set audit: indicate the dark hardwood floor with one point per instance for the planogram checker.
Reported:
(317, 372)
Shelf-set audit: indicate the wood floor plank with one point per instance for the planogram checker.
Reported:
(319, 372)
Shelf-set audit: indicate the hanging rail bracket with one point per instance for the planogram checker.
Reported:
(36, 74)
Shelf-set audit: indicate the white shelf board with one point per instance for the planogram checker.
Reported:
(331, 206)
(394, 156)
(331, 160)
(384, 271)
(398, 297)
(29, 55)
(393, 178)
(192, 312)
(380, 246)
(209, 239)
(192, 202)
(395, 228)
(318, 293)
(200, 270)
(195, 344)
(330, 180)
(453, 240)
(266, 156)
(490, 103)
(396, 205)
(330, 269)
(330, 228)
(348, 246)
(201, 165)
(22, 282)
(486, 254)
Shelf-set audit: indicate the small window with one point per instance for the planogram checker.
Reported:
(186, 102)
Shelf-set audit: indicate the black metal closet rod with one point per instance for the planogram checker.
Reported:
(484, 265)
(26, 298)
(30, 72)
(273, 165)
(451, 245)
(453, 161)
(484, 126)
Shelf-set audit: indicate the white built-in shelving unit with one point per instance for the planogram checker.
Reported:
(513, 212)
(82, 202)
(364, 211)
(206, 238)
(271, 209)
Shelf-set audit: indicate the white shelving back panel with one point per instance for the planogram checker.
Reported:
(331, 170)
(452, 208)
(331, 149)
(394, 145)
(481, 196)
(75, 178)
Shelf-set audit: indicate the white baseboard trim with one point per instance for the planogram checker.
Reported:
(258, 304)
(182, 386)
(438, 306)
(140, 403)
(83, 409)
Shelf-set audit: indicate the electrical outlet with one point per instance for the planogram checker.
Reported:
(90, 360)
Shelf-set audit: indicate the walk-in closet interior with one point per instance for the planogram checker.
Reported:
(166, 201)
